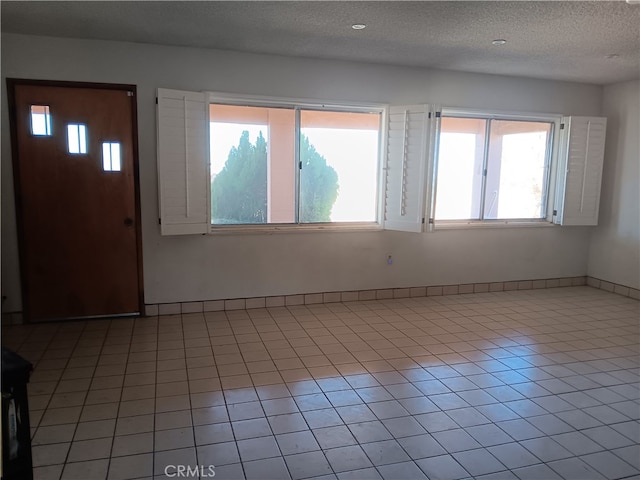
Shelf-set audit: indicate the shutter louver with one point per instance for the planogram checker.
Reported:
(584, 157)
(406, 156)
(183, 170)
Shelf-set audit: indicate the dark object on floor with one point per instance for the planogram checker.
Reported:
(16, 431)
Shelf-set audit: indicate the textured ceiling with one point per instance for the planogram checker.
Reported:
(552, 39)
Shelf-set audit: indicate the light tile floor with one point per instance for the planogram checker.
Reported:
(540, 384)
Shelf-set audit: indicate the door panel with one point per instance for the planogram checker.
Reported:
(78, 222)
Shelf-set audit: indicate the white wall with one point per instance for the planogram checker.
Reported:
(614, 252)
(212, 267)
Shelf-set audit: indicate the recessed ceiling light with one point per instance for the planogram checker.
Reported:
(499, 41)
(358, 26)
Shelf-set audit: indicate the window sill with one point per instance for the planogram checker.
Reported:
(294, 228)
(473, 224)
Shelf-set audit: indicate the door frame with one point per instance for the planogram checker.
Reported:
(12, 83)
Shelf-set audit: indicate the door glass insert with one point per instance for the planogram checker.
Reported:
(77, 138)
(40, 120)
(111, 156)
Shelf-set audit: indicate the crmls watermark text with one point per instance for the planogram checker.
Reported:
(188, 471)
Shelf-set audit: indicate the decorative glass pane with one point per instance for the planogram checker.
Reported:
(111, 161)
(77, 138)
(40, 120)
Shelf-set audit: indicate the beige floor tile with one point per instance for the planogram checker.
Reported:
(103, 411)
(95, 429)
(172, 403)
(84, 450)
(219, 454)
(453, 385)
(64, 400)
(171, 458)
(138, 392)
(49, 454)
(132, 444)
(134, 466)
(174, 439)
(94, 469)
(135, 424)
(59, 416)
(213, 433)
(53, 434)
(50, 472)
(169, 420)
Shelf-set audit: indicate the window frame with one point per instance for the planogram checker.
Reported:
(298, 104)
(551, 169)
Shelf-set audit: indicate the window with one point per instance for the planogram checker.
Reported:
(40, 120)
(77, 138)
(226, 162)
(111, 161)
(462, 168)
(492, 168)
(292, 165)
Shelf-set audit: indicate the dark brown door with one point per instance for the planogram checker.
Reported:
(75, 171)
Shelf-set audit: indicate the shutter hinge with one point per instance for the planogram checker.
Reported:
(562, 126)
(438, 114)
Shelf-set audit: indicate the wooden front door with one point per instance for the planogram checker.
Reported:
(76, 176)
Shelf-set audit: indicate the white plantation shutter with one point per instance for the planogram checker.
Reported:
(583, 157)
(406, 167)
(183, 162)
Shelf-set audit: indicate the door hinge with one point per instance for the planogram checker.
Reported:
(129, 94)
(300, 165)
(562, 126)
(156, 100)
(423, 220)
(431, 221)
(555, 213)
(159, 221)
(438, 114)
(429, 114)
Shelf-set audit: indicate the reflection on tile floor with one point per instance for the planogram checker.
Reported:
(540, 384)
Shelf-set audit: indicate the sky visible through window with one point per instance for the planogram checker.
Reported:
(456, 171)
(522, 175)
